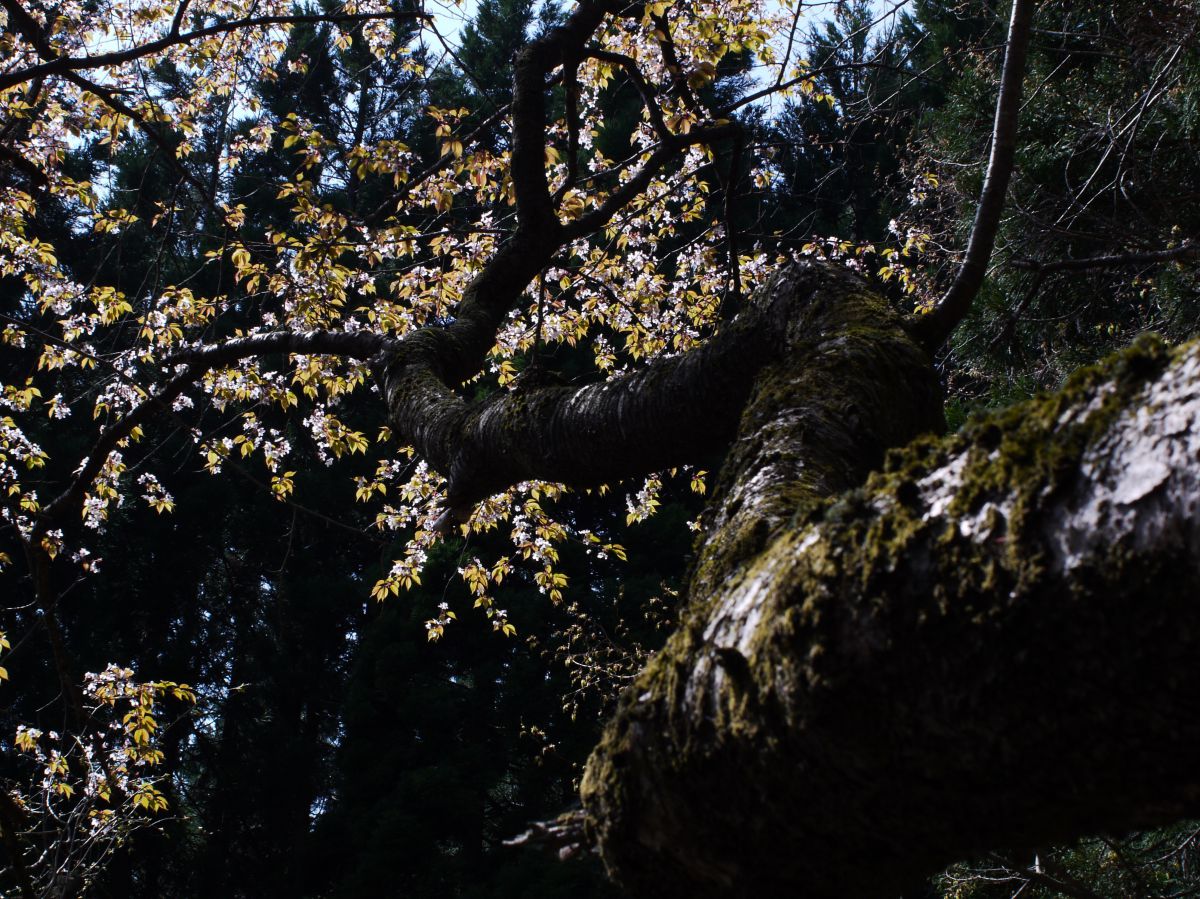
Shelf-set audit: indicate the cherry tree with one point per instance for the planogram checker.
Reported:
(908, 667)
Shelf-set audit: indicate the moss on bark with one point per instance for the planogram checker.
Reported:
(989, 644)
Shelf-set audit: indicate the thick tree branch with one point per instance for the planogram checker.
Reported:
(456, 353)
(35, 175)
(671, 412)
(990, 645)
(177, 19)
(653, 110)
(932, 329)
(421, 375)
(562, 46)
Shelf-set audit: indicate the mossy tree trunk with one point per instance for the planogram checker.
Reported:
(987, 643)
(990, 643)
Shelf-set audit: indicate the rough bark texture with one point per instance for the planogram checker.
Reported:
(659, 416)
(671, 412)
(989, 644)
(601, 433)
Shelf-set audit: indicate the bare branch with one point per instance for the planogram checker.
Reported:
(177, 21)
(639, 82)
(1189, 247)
(932, 329)
(1117, 260)
(17, 161)
(668, 413)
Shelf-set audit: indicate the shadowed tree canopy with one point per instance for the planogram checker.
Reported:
(271, 242)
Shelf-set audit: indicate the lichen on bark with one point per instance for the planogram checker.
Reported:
(988, 644)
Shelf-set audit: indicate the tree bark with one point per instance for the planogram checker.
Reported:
(933, 329)
(986, 645)
(989, 644)
(669, 413)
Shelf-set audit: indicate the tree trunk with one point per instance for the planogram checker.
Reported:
(990, 644)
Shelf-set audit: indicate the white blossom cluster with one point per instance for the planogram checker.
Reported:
(92, 789)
